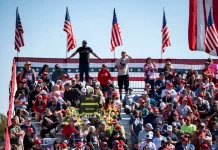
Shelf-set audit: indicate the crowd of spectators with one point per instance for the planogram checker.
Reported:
(174, 112)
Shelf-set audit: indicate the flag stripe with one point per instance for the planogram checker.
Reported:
(116, 39)
(165, 34)
(192, 29)
(71, 41)
(18, 41)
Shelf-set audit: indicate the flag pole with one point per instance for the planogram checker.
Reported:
(161, 46)
(114, 55)
(66, 48)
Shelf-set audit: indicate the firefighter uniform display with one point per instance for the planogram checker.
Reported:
(89, 105)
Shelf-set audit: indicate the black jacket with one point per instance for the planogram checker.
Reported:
(28, 142)
(72, 95)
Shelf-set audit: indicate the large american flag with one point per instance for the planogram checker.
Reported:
(211, 39)
(198, 15)
(165, 34)
(116, 39)
(18, 42)
(71, 41)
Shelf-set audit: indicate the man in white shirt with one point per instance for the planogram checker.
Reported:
(123, 72)
(147, 130)
(169, 87)
(147, 143)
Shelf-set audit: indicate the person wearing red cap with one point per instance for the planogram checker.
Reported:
(28, 139)
(39, 107)
(184, 145)
(46, 80)
(169, 87)
(63, 146)
(115, 138)
(207, 72)
(181, 86)
(204, 147)
(198, 136)
(184, 95)
(114, 125)
(155, 118)
(103, 76)
(188, 128)
(37, 144)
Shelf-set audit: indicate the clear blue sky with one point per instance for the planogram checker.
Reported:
(140, 22)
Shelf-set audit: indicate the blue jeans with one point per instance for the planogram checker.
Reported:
(151, 82)
(84, 69)
(133, 139)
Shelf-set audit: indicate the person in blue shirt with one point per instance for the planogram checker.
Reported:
(160, 83)
(55, 107)
(28, 124)
(128, 100)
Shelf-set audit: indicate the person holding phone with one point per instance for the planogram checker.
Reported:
(150, 70)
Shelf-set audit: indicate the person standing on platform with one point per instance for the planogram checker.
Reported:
(84, 56)
(123, 72)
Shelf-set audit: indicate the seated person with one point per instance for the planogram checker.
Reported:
(69, 128)
(49, 124)
(128, 100)
(39, 107)
(28, 124)
(55, 107)
(21, 101)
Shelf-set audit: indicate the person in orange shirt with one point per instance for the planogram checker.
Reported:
(103, 76)
(207, 72)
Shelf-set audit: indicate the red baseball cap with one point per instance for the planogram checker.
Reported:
(63, 145)
(155, 109)
(63, 75)
(37, 141)
(184, 139)
(29, 130)
(204, 146)
(141, 100)
(169, 84)
(45, 73)
(40, 81)
(175, 113)
(76, 75)
(203, 87)
(118, 127)
(115, 94)
(187, 118)
(79, 145)
(149, 107)
(121, 142)
(115, 121)
(201, 94)
(182, 81)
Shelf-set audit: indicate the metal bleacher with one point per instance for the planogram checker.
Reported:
(124, 122)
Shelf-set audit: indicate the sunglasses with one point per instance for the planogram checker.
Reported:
(73, 81)
(97, 88)
(76, 77)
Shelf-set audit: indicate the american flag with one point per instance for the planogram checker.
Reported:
(71, 41)
(211, 38)
(165, 34)
(116, 39)
(19, 42)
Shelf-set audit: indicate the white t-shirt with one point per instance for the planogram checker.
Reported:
(122, 64)
(150, 145)
(157, 141)
(183, 110)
